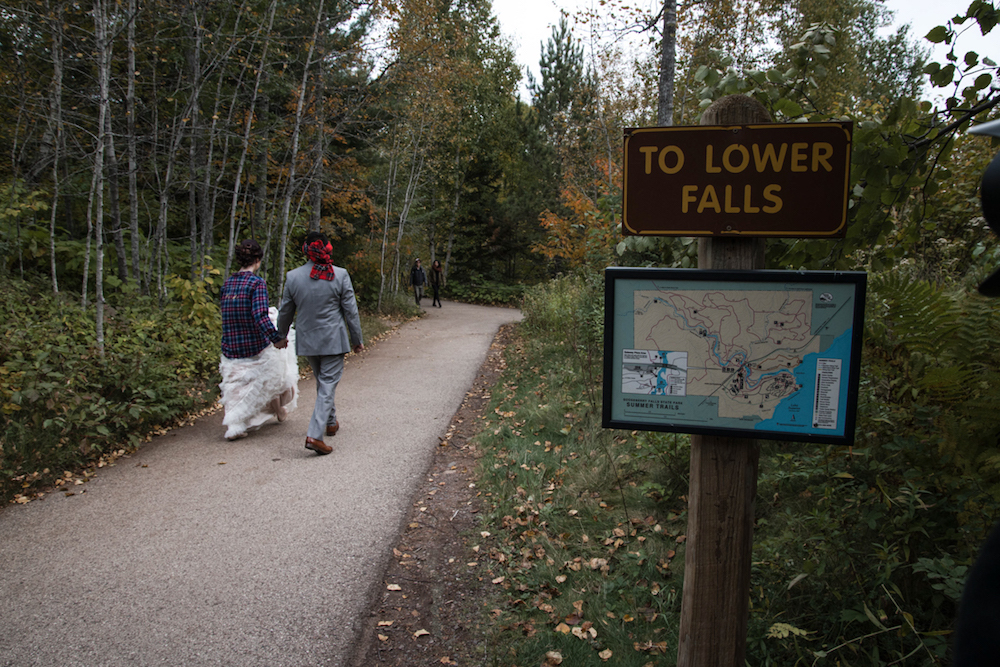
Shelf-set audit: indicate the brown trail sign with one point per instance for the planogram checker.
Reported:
(774, 180)
(733, 181)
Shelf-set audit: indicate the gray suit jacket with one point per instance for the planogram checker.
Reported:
(327, 319)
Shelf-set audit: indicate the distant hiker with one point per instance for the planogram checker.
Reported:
(418, 279)
(259, 380)
(436, 280)
(320, 298)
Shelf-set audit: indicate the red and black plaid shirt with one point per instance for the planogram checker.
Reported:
(246, 327)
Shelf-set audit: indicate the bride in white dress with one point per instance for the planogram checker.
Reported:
(259, 367)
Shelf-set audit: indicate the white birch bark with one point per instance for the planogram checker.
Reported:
(58, 128)
(247, 126)
(133, 161)
(293, 159)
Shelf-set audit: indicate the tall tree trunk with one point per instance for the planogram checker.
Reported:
(416, 167)
(293, 159)
(453, 220)
(133, 162)
(665, 102)
(259, 219)
(412, 184)
(57, 127)
(113, 195)
(206, 209)
(390, 185)
(194, 130)
(104, 78)
(248, 125)
(318, 150)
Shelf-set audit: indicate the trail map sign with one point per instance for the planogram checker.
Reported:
(762, 354)
(777, 180)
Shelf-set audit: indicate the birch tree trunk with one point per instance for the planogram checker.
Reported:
(133, 162)
(104, 78)
(668, 59)
(113, 194)
(248, 125)
(416, 167)
(390, 185)
(194, 131)
(56, 121)
(258, 221)
(290, 186)
(319, 150)
(453, 221)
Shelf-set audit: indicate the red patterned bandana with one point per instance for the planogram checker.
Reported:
(319, 255)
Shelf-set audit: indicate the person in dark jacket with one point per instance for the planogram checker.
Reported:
(436, 280)
(418, 278)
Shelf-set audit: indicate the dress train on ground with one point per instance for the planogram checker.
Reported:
(256, 389)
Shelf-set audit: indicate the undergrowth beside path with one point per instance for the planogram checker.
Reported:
(860, 553)
(66, 411)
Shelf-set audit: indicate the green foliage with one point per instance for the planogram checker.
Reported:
(570, 309)
(479, 289)
(860, 553)
(904, 196)
(582, 525)
(18, 205)
(193, 302)
(867, 548)
(63, 405)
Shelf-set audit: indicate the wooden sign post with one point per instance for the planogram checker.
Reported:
(733, 181)
(715, 600)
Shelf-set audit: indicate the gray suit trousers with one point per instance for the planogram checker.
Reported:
(327, 369)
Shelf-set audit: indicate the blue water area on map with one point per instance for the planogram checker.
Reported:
(795, 413)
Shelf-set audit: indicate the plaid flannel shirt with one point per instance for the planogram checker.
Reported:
(246, 326)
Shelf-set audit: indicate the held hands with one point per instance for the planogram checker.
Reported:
(281, 344)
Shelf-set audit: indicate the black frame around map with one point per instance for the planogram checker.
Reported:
(842, 292)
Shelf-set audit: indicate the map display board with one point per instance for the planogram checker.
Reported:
(746, 354)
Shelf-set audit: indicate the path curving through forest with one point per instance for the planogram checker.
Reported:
(198, 551)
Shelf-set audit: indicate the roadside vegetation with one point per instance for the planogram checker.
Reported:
(860, 553)
(65, 408)
(398, 130)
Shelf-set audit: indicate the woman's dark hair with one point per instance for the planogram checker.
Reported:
(248, 252)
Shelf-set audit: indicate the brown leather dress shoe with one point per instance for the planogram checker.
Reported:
(331, 429)
(318, 446)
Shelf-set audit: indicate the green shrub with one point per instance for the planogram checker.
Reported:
(478, 289)
(63, 405)
(860, 554)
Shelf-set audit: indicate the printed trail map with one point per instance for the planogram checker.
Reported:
(763, 356)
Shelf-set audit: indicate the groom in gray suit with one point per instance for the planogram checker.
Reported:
(327, 326)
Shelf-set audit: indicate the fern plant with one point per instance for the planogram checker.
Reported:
(942, 348)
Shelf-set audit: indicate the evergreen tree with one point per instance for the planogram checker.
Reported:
(563, 93)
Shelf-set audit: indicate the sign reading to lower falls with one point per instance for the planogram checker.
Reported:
(776, 180)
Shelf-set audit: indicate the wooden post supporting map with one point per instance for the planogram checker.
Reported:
(715, 602)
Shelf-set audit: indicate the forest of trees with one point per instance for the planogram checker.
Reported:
(142, 139)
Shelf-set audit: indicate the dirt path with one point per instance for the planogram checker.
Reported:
(198, 551)
(430, 610)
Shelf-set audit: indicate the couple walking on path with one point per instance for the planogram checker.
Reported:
(259, 347)
(193, 550)
(418, 278)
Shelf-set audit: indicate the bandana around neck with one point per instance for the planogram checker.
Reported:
(319, 255)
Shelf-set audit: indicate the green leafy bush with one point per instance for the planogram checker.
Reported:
(478, 289)
(62, 404)
(860, 554)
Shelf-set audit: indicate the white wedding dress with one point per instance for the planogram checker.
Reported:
(251, 385)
